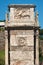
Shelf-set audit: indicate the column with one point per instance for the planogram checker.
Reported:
(37, 47)
(11, 18)
(6, 47)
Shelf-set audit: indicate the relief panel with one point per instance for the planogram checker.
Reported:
(22, 13)
(21, 38)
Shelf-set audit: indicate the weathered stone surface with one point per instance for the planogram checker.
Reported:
(22, 32)
(20, 16)
(21, 13)
(22, 38)
(20, 44)
(22, 55)
(23, 62)
(22, 47)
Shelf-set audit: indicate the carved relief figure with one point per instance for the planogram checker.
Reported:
(21, 41)
(21, 13)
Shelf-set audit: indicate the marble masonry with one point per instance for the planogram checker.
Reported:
(22, 35)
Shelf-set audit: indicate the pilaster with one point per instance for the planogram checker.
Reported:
(6, 47)
(37, 47)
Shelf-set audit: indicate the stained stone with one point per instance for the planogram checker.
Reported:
(21, 36)
(22, 47)
(22, 62)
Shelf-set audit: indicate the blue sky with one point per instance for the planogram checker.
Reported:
(4, 7)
